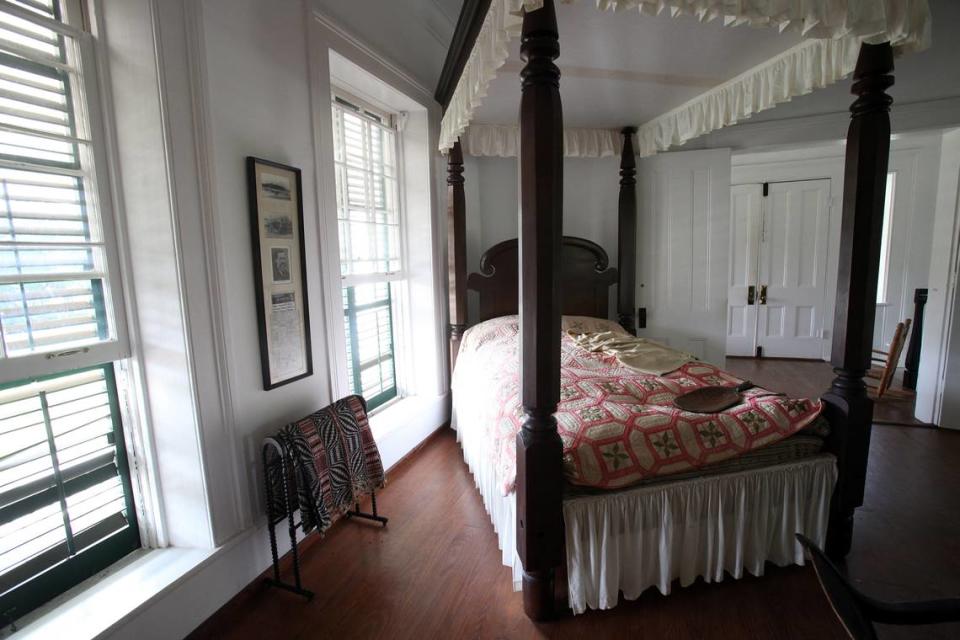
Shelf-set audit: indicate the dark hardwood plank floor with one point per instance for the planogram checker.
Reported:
(435, 571)
(810, 378)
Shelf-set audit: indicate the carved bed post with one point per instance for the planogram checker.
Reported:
(539, 449)
(848, 407)
(456, 250)
(627, 234)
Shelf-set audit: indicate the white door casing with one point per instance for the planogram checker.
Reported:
(745, 212)
(895, 294)
(683, 249)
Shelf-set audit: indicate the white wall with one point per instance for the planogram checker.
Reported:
(938, 384)
(683, 248)
(200, 85)
(591, 190)
(916, 157)
(915, 161)
(259, 105)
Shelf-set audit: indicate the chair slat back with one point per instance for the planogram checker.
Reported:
(893, 357)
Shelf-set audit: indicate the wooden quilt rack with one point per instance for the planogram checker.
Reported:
(290, 503)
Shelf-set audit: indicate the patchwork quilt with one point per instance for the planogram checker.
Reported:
(619, 426)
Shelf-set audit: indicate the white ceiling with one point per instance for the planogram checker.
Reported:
(919, 77)
(623, 68)
(413, 34)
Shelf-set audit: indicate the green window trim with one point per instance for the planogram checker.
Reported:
(84, 553)
(350, 312)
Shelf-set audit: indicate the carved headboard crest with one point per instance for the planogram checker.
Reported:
(586, 279)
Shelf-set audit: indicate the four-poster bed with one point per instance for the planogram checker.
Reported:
(569, 276)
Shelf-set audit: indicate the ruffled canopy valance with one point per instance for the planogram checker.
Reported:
(503, 141)
(833, 30)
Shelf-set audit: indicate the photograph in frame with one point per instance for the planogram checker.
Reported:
(280, 265)
(276, 216)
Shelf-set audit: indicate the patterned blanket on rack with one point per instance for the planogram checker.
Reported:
(332, 460)
(618, 424)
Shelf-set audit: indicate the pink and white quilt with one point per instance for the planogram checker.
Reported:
(618, 426)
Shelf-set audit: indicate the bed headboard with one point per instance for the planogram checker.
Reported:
(585, 280)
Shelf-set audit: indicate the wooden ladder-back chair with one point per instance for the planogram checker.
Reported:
(858, 612)
(889, 359)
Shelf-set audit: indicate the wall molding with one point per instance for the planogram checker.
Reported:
(213, 254)
(905, 117)
(136, 410)
(373, 54)
(163, 94)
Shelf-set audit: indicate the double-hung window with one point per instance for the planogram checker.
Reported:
(66, 507)
(368, 214)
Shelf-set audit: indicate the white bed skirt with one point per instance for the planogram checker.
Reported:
(501, 509)
(647, 537)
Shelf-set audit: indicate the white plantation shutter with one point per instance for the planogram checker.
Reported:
(55, 293)
(368, 215)
(60, 487)
(367, 193)
(66, 507)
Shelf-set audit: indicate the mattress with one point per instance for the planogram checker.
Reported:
(618, 424)
(805, 444)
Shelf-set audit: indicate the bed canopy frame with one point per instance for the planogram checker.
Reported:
(546, 260)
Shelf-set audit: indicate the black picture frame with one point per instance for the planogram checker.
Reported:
(274, 236)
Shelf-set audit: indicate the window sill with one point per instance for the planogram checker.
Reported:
(99, 605)
(391, 416)
(402, 425)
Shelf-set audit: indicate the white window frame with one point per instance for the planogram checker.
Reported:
(96, 161)
(87, 104)
(398, 279)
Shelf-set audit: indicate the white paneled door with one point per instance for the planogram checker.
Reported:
(782, 229)
(683, 250)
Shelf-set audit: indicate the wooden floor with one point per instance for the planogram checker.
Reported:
(810, 378)
(435, 571)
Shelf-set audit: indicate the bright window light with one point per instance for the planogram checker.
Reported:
(882, 279)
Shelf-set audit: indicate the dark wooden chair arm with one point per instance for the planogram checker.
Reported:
(910, 613)
(858, 612)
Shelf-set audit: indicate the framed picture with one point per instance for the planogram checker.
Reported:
(279, 265)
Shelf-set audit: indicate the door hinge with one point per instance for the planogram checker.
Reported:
(642, 318)
(766, 189)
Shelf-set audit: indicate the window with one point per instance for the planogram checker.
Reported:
(66, 507)
(884, 272)
(368, 215)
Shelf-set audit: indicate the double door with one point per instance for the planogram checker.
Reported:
(777, 275)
